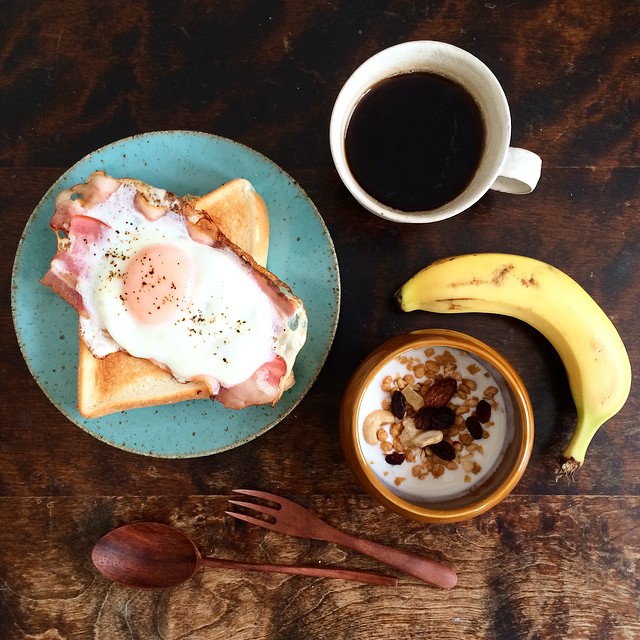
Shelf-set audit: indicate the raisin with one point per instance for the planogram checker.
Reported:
(394, 458)
(443, 418)
(443, 450)
(398, 404)
(483, 411)
(474, 427)
(429, 418)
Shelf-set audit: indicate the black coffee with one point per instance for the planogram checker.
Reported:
(414, 141)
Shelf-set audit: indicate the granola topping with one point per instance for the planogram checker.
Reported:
(448, 426)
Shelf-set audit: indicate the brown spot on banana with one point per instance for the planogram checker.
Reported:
(502, 273)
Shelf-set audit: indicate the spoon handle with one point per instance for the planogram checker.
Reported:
(319, 572)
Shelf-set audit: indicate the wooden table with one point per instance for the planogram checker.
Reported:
(555, 559)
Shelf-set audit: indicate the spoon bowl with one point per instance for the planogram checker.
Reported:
(146, 555)
(151, 555)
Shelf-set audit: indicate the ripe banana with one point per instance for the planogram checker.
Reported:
(594, 356)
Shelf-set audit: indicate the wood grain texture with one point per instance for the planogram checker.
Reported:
(555, 559)
(267, 73)
(524, 572)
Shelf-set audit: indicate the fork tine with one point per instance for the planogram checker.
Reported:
(271, 497)
(251, 520)
(260, 508)
(259, 494)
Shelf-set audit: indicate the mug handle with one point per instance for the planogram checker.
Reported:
(519, 173)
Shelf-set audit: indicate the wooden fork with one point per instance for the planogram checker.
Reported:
(292, 519)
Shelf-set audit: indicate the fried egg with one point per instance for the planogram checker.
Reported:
(148, 288)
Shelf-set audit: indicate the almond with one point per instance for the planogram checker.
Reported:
(440, 392)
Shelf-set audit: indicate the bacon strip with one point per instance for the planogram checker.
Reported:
(70, 259)
(66, 290)
(82, 197)
(263, 387)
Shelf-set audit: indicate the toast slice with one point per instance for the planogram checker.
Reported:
(241, 214)
(119, 381)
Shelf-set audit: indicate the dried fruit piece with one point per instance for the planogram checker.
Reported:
(440, 392)
(408, 431)
(483, 411)
(474, 427)
(395, 458)
(429, 418)
(413, 398)
(398, 404)
(444, 450)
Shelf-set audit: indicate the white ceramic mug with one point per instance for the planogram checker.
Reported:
(501, 168)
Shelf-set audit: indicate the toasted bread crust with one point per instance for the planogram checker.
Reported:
(120, 381)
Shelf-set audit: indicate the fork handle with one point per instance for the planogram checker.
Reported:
(424, 569)
(319, 572)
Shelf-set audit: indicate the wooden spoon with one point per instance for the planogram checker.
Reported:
(150, 555)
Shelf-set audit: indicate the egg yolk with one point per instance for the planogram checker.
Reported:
(158, 283)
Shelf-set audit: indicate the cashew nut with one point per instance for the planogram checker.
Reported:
(425, 438)
(373, 422)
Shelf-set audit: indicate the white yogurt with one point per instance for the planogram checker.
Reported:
(400, 479)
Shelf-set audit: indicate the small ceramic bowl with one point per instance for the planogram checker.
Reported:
(413, 480)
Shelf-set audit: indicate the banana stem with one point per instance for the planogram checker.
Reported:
(574, 454)
(566, 468)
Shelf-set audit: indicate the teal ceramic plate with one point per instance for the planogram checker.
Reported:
(301, 253)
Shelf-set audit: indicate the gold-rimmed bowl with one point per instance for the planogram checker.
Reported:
(418, 484)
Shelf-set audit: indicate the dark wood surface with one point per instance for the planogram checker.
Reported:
(555, 559)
